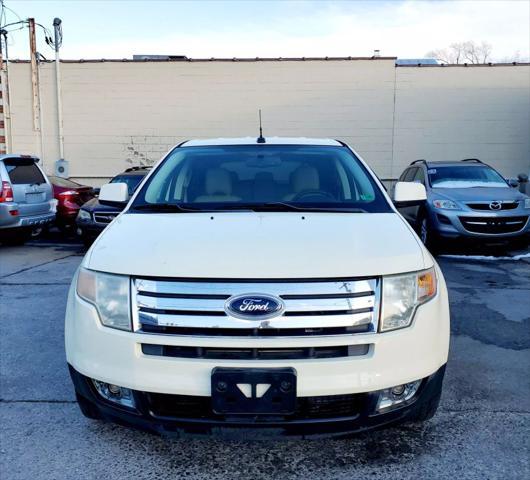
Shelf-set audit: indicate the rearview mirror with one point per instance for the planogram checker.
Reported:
(409, 194)
(114, 194)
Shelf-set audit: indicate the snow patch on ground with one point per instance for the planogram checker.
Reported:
(486, 257)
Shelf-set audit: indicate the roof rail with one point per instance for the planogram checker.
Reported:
(135, 169)
(476, 160)
(421, 160)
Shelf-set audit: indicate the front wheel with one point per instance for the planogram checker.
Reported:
(427, 411)
(87, 409)
(427, 236)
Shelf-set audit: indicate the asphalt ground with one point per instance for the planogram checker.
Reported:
(481, 430)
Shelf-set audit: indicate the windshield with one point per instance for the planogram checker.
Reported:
(132, 181)
(462, 177)
(278, 177)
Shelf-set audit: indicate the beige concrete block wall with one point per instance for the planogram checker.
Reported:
(451, 113)
(118, 114)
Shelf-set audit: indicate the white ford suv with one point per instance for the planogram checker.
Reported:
(263, 284)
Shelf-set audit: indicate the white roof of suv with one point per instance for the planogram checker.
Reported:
(268, 141)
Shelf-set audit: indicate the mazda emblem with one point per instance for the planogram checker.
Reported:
(496, 205)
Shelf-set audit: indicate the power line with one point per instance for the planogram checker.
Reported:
(3, 15)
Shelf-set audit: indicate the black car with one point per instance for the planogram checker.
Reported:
(93, 217)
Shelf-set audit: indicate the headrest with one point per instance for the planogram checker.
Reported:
(218, 182)
(305, 178)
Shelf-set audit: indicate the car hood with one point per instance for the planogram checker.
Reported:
(94, 205)
(479, 194)
(258, 245)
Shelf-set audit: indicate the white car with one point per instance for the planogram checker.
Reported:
(258, 283)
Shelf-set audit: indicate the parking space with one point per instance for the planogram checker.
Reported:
(480, 431)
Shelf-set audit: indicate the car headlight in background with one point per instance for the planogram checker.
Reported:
(527, 203)
(110, 294)
(84, 216)
(402, 294)
(445, 204)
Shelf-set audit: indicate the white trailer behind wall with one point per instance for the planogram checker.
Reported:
(122, 113)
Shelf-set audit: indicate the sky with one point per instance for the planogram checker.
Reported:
(216, 28)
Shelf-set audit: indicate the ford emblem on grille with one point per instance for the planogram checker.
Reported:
(254, 306)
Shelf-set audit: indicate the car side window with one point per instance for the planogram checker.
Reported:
(420, 176)
(409, 177)
(403, 175)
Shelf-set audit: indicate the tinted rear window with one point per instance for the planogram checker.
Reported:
(23, 173)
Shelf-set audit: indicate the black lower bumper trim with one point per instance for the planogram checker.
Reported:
(180, 415)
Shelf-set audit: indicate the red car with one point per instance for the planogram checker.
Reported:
(70, 196)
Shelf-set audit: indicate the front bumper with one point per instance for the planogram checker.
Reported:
(194, 416)
(474, 223)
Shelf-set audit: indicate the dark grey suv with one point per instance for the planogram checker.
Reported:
(465, 199)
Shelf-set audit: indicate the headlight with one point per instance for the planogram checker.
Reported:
(527, 203)
(109, 294)
(402, 294)
(84, 216)
(445, 204)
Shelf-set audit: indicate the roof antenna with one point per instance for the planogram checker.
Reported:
(261, 138)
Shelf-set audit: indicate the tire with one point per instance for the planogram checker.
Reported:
(87, 409)
(87, 241)
(426, 233)
(36, 232)
(427, 411)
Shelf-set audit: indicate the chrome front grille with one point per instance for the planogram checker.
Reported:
(104, 217)
(311, 307)
(504, 205)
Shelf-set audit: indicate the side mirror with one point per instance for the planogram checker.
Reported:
(114, 194)
(512, 182)
(96, 190)
(409, 194)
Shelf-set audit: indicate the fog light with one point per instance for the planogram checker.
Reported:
(395, 396)
(114, 393)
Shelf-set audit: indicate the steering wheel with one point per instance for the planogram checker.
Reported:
(312, 193)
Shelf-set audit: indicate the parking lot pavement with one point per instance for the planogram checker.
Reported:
(480, 431)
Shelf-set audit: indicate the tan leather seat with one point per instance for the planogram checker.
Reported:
(218, 187)
(303, 179)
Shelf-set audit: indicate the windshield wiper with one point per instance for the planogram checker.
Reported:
(165, 207)
(255, 207)
(286, 207)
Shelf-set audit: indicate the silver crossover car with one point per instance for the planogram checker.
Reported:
(465, 199)
(26, 198)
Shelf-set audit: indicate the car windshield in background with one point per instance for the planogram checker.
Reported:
(464, 177)
(132, 181)
(261, 177)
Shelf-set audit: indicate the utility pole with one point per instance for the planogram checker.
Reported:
(34, 74)
(5, 113)
(57, 44)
